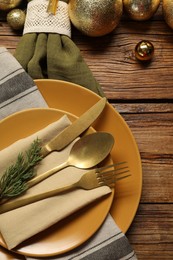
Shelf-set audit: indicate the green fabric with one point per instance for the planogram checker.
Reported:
(55, 56)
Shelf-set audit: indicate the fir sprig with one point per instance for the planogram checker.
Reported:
(14, 180)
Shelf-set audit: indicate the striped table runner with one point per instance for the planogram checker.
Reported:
(18, 92)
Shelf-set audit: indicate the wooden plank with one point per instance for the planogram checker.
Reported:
(141, 108)
(9, 42)
(151, 233)
(152, 127)
(157, 181)
(153, 134)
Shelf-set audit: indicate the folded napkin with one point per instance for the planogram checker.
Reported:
(109, 242)
(46, 50)
(47, 212)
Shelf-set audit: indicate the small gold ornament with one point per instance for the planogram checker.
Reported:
(140, 10)
(7, 5)
(16, 19)
(144, 51)
(95, 17)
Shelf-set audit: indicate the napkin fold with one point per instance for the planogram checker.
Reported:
(108, 240)
(46, 50)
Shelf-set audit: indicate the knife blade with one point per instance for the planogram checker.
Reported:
(75, 129)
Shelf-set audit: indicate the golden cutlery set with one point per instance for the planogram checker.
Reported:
(86, 153)
(90, 180)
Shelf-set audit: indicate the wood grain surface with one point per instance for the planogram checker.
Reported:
(143, 95)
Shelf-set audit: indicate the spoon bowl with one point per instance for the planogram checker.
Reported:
(90, 150)
(86, 153)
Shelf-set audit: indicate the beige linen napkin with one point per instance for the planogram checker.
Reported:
(14, 225)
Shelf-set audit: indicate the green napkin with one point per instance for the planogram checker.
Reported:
(54, 56)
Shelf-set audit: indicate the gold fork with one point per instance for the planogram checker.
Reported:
(103, 176)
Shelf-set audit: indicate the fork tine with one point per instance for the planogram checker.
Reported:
(109, 166)
(116, 171)
(109, 177)
(111, 174)
(114, 176)
(111, 182)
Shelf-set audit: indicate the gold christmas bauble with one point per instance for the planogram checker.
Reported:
(95, 17)
(7, 5)
(16, 19)
(167, 7)
(140, 10)
(144, 50)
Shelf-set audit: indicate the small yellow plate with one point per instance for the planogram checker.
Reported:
(75, 229)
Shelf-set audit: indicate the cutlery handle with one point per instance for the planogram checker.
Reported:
(45, 175)
(45, 151)
(23, 202)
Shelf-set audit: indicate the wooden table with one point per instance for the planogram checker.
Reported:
(143, 95)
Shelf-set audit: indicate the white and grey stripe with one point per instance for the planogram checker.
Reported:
(108, 243)
(17, 89)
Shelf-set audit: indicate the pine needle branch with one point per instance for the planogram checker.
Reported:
(14, 180)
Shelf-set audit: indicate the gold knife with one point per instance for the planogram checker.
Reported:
(75, 129)
(61, 141)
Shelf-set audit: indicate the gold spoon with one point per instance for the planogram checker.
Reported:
(86, 153)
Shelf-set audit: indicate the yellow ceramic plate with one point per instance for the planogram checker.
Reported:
(75, 229)
(76, 99)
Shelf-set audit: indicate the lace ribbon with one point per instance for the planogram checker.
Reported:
(39, 20)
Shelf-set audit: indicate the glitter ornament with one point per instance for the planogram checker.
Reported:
(167, 7)
(140, 10)
(144, 51)
(7, 5)
(16, 19)
(95, 17)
